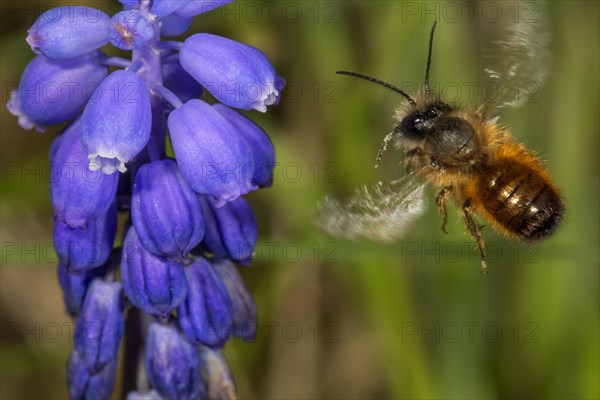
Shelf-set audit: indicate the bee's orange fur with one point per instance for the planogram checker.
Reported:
(497, 145)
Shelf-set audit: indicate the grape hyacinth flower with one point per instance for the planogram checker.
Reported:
(171, 291)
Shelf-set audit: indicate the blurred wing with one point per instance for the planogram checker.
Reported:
(381, 212)
(517, 57)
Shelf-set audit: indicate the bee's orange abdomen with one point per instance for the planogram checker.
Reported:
(520, 197)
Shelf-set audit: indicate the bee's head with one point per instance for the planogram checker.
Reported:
(420, 119)
(418, 123)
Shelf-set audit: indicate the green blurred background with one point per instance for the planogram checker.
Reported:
(411, 320)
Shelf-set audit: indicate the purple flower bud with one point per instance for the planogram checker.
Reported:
(100, 326)
(205, 315)
(115, 125)
(75, 286)
(230, 230)
(243, 308)
(174, 25)
(129, 30)
(54, 91)
(173, 364)
(166, 212)
(151, 395)
(128, 4)
(262, 147)
(152, 283)
(180, 82)
(68, 32)
(216, 373)
(81, 249)
(85, 385)
(196, 7)
(236, 74)
(78, 194)
(162, 8)
(212, 156)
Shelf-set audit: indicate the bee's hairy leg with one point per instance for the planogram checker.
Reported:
(411, 154)
(411, 159)
(475, 231)
(441, 199)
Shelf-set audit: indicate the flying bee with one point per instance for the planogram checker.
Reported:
(468, 156)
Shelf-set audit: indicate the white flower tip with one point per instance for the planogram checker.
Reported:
(94, 164)
(260, 107)
(13, 104)
(108, 165)
(108, 169)
(38, 127)
(33, 40)
(25, 123)
(269, 97)
(14, 107)
(122, 167)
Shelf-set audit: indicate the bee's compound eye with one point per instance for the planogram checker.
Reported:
(407, 126)
(414, 126)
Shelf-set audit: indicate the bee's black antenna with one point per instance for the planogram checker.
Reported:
(429, 57)
(377, 81)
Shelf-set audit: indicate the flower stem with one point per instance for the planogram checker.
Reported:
(133, 347)
(134, 370)
(152, 149)
(117, 62)
(170, 45)
(170, 58)
(168, 95)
